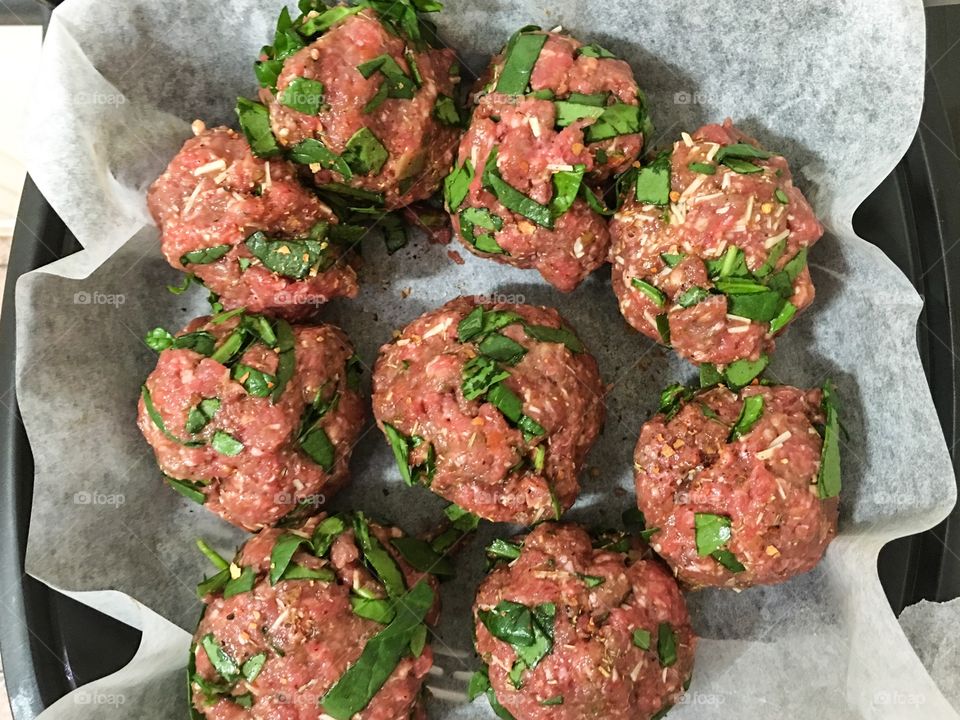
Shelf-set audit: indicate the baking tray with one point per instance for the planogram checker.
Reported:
(51, 644)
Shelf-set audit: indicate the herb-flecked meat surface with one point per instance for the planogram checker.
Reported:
(552, 118)
(249, 229)
(254, 418)
(301, 636)
(569, 631)
(710, 247)
(375, 96)
(492, 406)
(730, 485)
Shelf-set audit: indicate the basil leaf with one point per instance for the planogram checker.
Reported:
(398, 84)
(566, 187)
(555, 700)
(157, 419)
(506, 401)
(751, 300)
(381, 611)
(479, 375)
(205, 256)
(653, 181)
(595, 51)
(521, 55)
(595, 203)
(445, 110)
(377, 558)
(241, 584)
(255, 123)
(301, 572)
(401, 446)
(268, 72)
(287, 361)
(509, 621)
(312, 151)
(282, 553)
(513, 199)
(462, 523)
(742, 151)
(483, 218)
(773, 256)
(781, 196)
(225, 665)
(666, 645)
(199, 416)
(702, 168)
(741, 166)
(728, 560)
(252, 667)
(479, 322)
(418, 641)
(367, 196)
(741, 373)
(731, 263)
(568, 112)
(325, 533)
(673, 398)
(364, 153)
(295, 259)
(750, 413)
(421, 556)
(213, 584)
(691, 296)
(200, 341)
(828, 477)
(225, 444)
(532, 429)
(617, 119)
(501, 348)
(230, 347)
(709, 375)
(316, 444)
(192, 490)
(158, 339)
(256, 382)
(655, 294)
(328, 18)
(303, 95)
(479, 684)
(504, 549)
(591, 581)
(641, 638)
(672, 259)
(362, 680)
(595, 99)
(712, 532)
(457, 184)
(545, 333)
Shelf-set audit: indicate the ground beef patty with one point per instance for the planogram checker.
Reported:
(253, 418)
(710, 247)
(248, 229)
(492, 406)
(361, 98)
(573, 632)
(552, 118)
(298, 627)
(739, 489)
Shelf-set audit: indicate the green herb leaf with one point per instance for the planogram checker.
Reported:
(749, 299)
(256, 382)
(672, 259)
(381, 611)
(617, 119)
(205, 256)
(364, 153)
(225, 665)
(513, 199)
(281, 555)
(545, 333)
(377, 558)
(226, 444)
(742, 151)
(641, 638)
(418, 641)
(750, 413)
(324, 534)
(781, 196)
(255, 123)
(479, 375)
(666, 645)
(653, 181)
(252, 667)
(213, 584)
(691, 296)
(741, 373)
(312, 151)
(663, 327)
(655, 294)
(566, 187)
(501, 348)
(828, 477)
(506, 401)
(673, 398)
(591, 581)
(421, 556)
(303, 95)
(702, 168)
(480, 322)
(457, 184)
(316, 444)
(783, 318)
(728, 560)
(362, 680)
(295, 259)
(521, 55)
(712, 532)
(192, 490)
(199, 416)
(504, 549)
(595, 51)
(555, 700)
(241, 584)
(731, 264)
(445, 110)
(287, 361)
(398, 84)
(328, 18)
(741, 166)
(568, 112)
(157, 419)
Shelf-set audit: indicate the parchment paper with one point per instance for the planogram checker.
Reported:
(836, 85)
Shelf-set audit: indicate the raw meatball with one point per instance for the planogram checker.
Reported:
(570, 632)
(552, 119)
(365, 102)
(294, 627)
(739, 489)
(710, 247)
(492, 406)
(255, 419)
(248, 229)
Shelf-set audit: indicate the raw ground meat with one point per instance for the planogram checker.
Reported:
(215, 192)
(271, 476)
(765, 483)
(480, 460)
(612, 610)
(760, 212)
